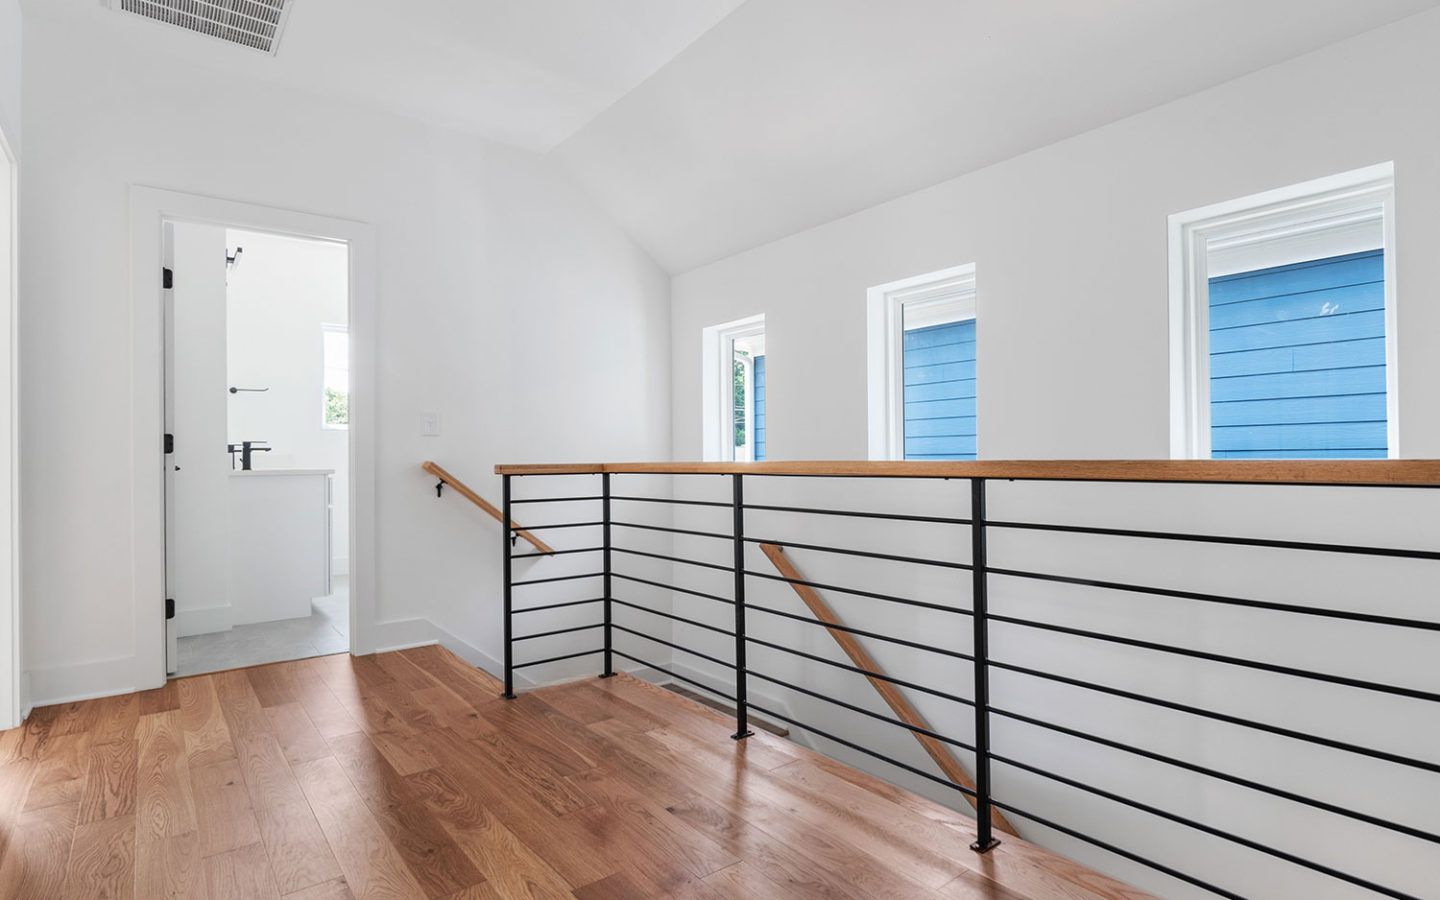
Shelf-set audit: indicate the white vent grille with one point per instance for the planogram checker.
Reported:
(250, 23)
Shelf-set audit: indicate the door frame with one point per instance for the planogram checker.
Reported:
(14, 690)
(150, 209)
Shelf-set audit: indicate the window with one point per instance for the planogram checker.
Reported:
(734, 385)
(1283, 324)
(922, 380)
(335, 403)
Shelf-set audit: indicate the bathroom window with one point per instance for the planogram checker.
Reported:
(336, 400)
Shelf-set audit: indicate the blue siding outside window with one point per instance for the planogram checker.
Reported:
(939, 363)
(759, 369)
(1297, 360)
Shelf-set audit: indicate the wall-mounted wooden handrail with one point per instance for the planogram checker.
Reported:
(889, 692)
(464, 490)
(1386, 472)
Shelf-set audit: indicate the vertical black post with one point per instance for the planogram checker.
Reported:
(984, 839)
(505, 565)
(742, 710)
(605, 544)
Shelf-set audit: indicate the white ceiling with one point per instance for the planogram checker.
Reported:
(706, 127)
(523, 72)
(791, 113)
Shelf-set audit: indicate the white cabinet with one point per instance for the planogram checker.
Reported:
(280, 537)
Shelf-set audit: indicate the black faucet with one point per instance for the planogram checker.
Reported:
(246, 448)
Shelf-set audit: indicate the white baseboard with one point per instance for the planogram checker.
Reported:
(402, 634)
(797, 735)
(82, 681)
(190, 622)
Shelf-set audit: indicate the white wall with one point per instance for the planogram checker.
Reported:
(198, 559)
(14, 697)
(280, 296)
(1070, 246)
(10, 68)
(507, 302)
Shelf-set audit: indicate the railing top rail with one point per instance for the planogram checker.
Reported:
(1359, 472)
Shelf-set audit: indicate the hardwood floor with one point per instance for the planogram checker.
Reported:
(404, 775)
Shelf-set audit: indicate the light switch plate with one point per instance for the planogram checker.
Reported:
(430, 424)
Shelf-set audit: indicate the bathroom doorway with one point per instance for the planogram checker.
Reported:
(257, 474)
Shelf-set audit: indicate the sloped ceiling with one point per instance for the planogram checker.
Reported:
(791, 113)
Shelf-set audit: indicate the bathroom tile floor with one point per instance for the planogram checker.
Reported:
(326, 630)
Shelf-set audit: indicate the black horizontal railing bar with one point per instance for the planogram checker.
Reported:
(866, 750)
(541, 634)
(541, 662)
(1319, 740)
(1206, 829)
(1124, 854)
(1223, 776)
(1220, 539)
(1358, 683)
(859, 671)
(671, 587)
(685, 678)
(555, 499)
(1323, 612)
(858, 514)
(516, 612)
(673, 646)
(671, 500)
(668, 530)
(671, 616)
(678, 559)
(940, 607)
(558, 525)
(556, 552)
(811, 620)
(556, 578)
(868, 554)
(863, 711)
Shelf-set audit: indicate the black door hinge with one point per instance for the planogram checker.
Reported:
(169, 608)
(167, 278)
(169, 443)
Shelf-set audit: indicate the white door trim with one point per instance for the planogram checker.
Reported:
(13, 692)
(149, 209)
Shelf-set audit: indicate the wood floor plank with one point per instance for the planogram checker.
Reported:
(241, 707)
(38, 854)
(240, 874)
(509, 865)
(59, 771)
(299, 854)
(161, 699)
(110, 781)
(273, 684)
(370, 772)
(102, 861)
(118, 718)
(449, 669)
(437, 863)
(207, 737)
(165, 799)
(330, 890)
(169, 868)
(296, 733)
(222, 808)
(372, 866)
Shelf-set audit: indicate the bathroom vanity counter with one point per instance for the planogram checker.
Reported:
(280, 536)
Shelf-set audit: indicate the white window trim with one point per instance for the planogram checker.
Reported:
(716, 383)
(945, 296)
(1331, 204)
(329, 328)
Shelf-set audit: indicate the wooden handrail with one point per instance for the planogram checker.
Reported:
(464, 490)
(889, 692)
(1380, 472)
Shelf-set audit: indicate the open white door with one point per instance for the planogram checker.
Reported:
(167, 290)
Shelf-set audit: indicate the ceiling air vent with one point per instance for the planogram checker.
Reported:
(250, 23)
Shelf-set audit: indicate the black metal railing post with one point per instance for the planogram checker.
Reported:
(605, 552)
(742, 709)
(505, 566)
(984, 838)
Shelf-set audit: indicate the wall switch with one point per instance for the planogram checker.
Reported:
(430, 424)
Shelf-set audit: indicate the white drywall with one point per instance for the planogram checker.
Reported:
(198, 560)
(11, 28)
(1070, 247)
(508, 303)
(282, 294)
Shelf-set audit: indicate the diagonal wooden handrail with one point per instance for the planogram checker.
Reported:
(464, 490)
(890, 693)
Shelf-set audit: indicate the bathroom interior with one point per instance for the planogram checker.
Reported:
(257, 409)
